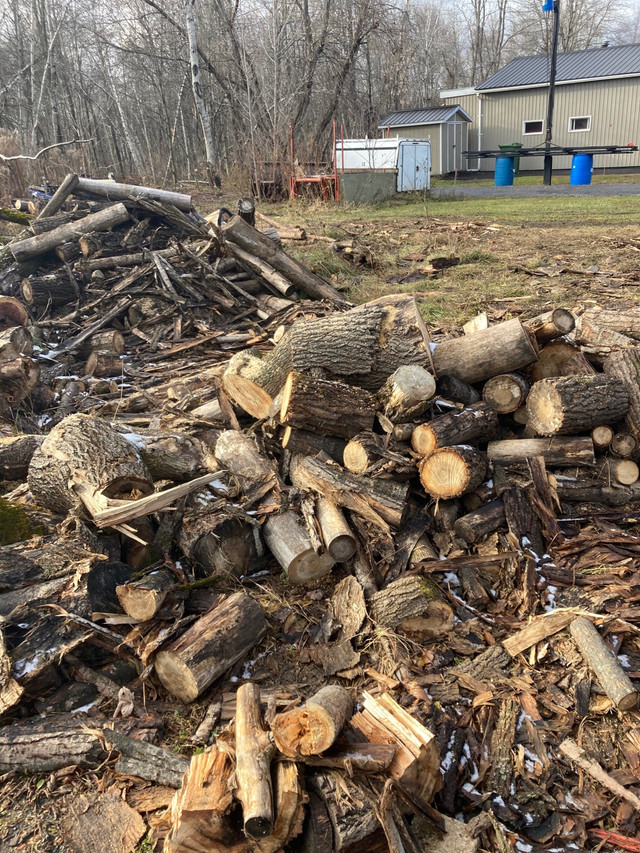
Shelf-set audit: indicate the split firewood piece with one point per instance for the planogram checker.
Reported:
(410, 607)
(407, 393)
(574, 404)
(452, 471)
(348, 607)
(218, 543)
(571, 749)
(551, 325)
(172, 456)
(560, 452)
(623, 445)
(384, 502)
(342, 817)
(88, 452)
(601, 436)
(17, 338)
(560, 358)
(315, 726)
(505, 393)
(451, 388)
(625, 365)
(12, 313)
(474, 526)
(239, 455)
(336, 533)
(143, 598)
(544, 626)
(325, 407)
(199, 810)
(500, 349)
(16, 453)
(367, 452)
(109, 217)
(604, 663)
(190, 664)
(49, 291)
(288, 540)
(417, 760)
(254, 752)
(310, 444)
(478, 421)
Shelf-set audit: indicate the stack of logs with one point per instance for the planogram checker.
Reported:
(355, 444)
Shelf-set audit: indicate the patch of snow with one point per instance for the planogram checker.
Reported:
(451, 578)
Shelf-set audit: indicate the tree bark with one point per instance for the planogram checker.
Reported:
(114, 191)
(407, 393)
(178, 457)
(210, 646)
(604, 663)
(315, 726)
(325, 407)
(103, 365)
(253, 764)
(452, 471)
(452, 388)
(49, 291)
(18, 378)
(44, 746)
(16, 453)
(574, 404)
(474, 526)
(238, 453)
(16, 340)
(309, 444)
(145, 760)
(561, 452)
(625, 366)
(478, 421)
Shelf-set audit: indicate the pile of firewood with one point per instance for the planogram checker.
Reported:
(436, 494)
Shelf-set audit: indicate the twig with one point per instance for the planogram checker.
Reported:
(571, 749)
(43, 150)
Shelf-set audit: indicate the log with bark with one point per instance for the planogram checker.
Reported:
(254, 751)
(561, 452)
(219, 544)
(574, 404)
(325, 407)
(551, 325)
(477, 422)
(560, 358)
(474, 526)
(172, 456)
(12, 313)
(16, 453)
(452, 471)
(625, 366)
(336, 533)
(410, 607)
(15, 339)
(407, 393)
(141, 599)
(604, 663)
(114, 191)
(289, 542)
(313, 727)
(49, 291)
(506, 392)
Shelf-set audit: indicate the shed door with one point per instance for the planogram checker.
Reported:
(413, 167)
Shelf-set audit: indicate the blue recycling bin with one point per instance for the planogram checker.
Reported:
(504, 171)
(581, 170)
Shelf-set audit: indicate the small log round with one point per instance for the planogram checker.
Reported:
(551, 325)
(362, 451)
(315, 726)
(475, 422)
(12, 313)
(573, 404)
(110, 341)
(16, 452)
(625, 471)
(560, 358)
(17, 337)
(289, 543)
(452, 471)
(475, 525)
(505, 393)
(623, 445)
(143, 598)
(601, 436)
(407, 393)
(103, 364)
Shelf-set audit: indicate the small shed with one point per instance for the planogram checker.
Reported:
(447, 128)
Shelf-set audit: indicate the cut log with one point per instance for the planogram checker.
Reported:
(595, 492)
(604, 663)
(474, 526)
(325, 407)
(310, 444)
(624, 471)
(353, 824)
(210, 646)
(383, 502)
(625, 366)
(172, 456)
(102, 582)
(336, 533)
(103, 365)
(451, 388)
(85, 452)
(367, 452)
(452, 471)
(597, 340)
(108, 341)
(49, 291)
(551, 325)
(19, 339)
(18, 378)
(624, 322)
(561, 452)
(217, 543)
(12, 313)
(239, 455)
(143, 598)
(289, 542)
(103, 242)
(409, 607)
(16, 453)
(114, 191)
(478, 421)
(44, 746)
(59, 197)
(601, 437)
(255, 264)
(23, 250)
(68, 252)
(623, 444)
(253, 241)
(574, 404)
(253, 761)
(407, 393)
(474, 358)
(416, 762)
(560, 358)
(315, 726)
(505, 393)
(146, 761)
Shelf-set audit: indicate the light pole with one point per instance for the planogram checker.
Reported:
(551, 6)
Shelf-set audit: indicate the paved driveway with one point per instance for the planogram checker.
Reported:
(461, 190)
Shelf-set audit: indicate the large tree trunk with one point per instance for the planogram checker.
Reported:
(87, 453)
(571, 405)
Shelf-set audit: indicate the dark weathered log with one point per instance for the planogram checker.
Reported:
(103, 242)
(625, 366)
(16, 453)
(595, 492)
(505, 393)
(248, 238)
(310, 444)
(313, 727)
(172, 456)
(146, 761)
(103, 580)
(289, 542)
(604, 663)
(474, 526)
(143, 598)
(478, 421)
(500, 349)
(68, 252)
(210, 646)
(352, 822)
(111, 216)
(574, 404)
(108, 341)
(451, 388)
(452, 471)
(89, 454)
(253, 764)
(43, 746)
(114, 191)
(59, 197)
(551, 325)
(561, 452)
(252, 263)
(325, 407)
(219, 544)
(407, 393)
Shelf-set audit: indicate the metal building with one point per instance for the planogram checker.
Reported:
(597, 102)
(446, 128)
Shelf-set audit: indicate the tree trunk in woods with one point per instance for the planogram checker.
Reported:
(479, 421)
(499, 349)
(217, 543)
(505, 393)
(190, 664)
(111, 216)
(16, 453)
(551, 325)
(201, 107)
(89, 454)
(253, 764)
(314, 727)
(604, 663)
(49, 291)
(336, 533)
(452, 471)
(571, 405)
(256, 243)
(322, 406)
(407, 393)
(143, 598)
(474, 526)
(562, 452)
(625, 366)
(289, 542)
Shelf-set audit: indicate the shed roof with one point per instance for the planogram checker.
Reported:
(594, 64)
(429, 115)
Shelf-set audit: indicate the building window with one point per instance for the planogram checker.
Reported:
(579, 123)
(532, 127)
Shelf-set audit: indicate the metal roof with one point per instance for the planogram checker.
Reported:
(430, 115)
(593, 64)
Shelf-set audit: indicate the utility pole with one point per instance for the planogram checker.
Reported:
(551, 6)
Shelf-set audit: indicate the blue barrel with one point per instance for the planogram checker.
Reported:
(581, 169)
(504, 171)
